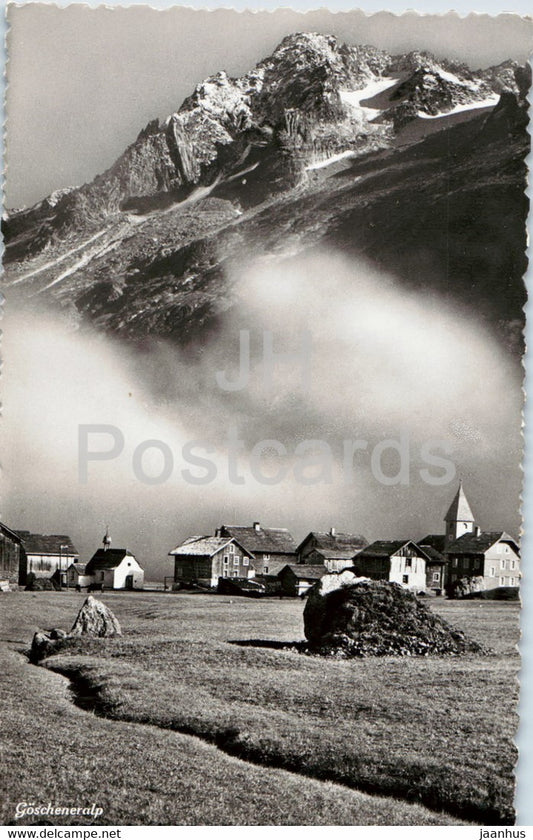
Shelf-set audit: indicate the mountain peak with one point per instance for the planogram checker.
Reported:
(313, 99)
(313, 40)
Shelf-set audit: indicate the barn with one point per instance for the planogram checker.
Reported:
(44, 556)
(10, 556)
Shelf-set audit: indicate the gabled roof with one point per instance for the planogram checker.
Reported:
(265, 540)
(434, 557)
(205, 546)
(338, 540)
(386, 548)
(436, 541)
(303, 572)
(471, 544)
(59, 544)
(80, 567)
(459, 510)
(13, 535)
(106, 559)
(347, 553)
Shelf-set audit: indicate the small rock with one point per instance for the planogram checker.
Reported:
(42, 645)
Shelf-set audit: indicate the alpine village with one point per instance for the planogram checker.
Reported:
(255, 561)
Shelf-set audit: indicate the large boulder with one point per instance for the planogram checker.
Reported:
(95, 619)
(350, 616)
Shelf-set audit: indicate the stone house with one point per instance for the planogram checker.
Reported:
(272, 548)
(203, 560)
(492, 555)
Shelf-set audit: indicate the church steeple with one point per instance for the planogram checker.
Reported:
(459, 519)
(106, 542)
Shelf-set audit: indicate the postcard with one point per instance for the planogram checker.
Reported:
(262, 389)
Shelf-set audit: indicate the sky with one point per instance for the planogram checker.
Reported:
(83, 82)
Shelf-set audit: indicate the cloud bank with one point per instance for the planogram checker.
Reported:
(367, 361)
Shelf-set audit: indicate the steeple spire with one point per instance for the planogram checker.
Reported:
(459, 519)
(107, 539)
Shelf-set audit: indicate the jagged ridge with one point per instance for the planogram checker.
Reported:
(292, 101)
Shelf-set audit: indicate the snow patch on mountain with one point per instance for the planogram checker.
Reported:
(354, 98)
(490, 102)
(321, 164)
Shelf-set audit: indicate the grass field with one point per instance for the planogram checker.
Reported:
(195, 730)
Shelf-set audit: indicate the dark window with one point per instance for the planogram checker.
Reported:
(405, 578)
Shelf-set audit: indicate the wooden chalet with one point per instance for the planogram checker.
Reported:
(203, 560)
(396, 561)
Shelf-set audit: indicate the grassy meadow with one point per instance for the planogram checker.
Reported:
(195, 729)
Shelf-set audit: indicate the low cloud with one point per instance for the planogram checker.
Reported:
(382, 363)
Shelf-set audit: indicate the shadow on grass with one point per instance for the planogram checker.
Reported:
(299, 647)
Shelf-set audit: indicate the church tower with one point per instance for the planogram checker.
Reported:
(459, 519)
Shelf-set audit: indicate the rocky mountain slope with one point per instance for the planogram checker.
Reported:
(413, 162)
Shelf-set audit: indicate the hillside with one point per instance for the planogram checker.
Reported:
(413, 163)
